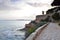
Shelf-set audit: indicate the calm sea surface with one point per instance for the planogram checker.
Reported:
(8, 30)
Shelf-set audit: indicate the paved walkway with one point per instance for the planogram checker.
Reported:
(51, 32)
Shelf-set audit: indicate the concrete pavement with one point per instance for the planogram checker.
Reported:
(51, 32)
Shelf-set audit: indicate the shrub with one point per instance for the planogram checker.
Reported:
(56, 16)
(59, 24)
(31, 30)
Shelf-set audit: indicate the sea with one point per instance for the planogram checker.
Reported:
(9, 30)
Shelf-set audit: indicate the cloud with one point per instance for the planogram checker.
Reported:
(15, 0)
(17, 4)
(16, 9)
(9, 4)
(39, 3)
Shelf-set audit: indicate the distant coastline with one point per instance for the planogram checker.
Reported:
(18, 20)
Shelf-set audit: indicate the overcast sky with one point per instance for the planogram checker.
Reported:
(17, 9)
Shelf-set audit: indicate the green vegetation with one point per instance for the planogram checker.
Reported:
(29, 31)
(32, 29)
(56, 16)
(59, 24)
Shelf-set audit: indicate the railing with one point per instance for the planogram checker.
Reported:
(34, 35)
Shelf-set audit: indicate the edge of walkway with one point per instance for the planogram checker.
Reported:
(35, 34)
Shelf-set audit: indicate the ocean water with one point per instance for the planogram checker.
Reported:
(8, 30)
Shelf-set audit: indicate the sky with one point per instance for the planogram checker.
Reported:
(23, 9)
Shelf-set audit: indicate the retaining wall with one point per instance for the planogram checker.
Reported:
(34, 35)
